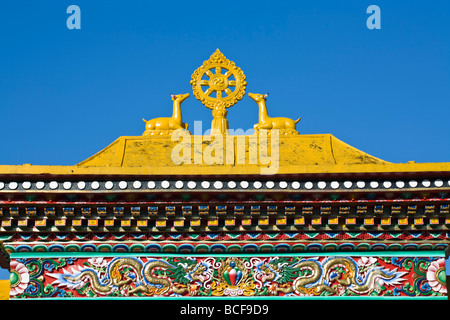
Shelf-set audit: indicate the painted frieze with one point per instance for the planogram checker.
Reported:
(177, 276)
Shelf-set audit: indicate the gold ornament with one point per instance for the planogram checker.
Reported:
(229, 87)
(217, 90)
(284, 125)
(166, 125)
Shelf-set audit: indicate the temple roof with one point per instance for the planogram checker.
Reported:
(298, 154)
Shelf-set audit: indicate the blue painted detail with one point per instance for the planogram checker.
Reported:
(88, 248)
(188, 248)
(218, 248)
(282, 247)
(250, 248)
(23, 248)
(447, 266)
(120, 248)
(56, 248)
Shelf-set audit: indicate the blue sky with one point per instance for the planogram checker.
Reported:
(66, 94)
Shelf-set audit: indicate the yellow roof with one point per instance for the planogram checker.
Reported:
(298, 154)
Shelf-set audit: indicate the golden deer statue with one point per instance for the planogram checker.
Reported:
(164, 125)
(285, 125)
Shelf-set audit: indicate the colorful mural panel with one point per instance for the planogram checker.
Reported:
(227, 276)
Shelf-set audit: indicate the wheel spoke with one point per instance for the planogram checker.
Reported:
(232, 83)
(228, 91)
(204, 82)
(218, 70)
(219, 94)
(228, 74)
(209, 91)
(209, 73)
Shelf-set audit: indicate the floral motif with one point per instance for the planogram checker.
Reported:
(19, 278)
(366, 261)
(98, 262)
(436, 276)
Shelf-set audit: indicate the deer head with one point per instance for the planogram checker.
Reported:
(179, 97)
(258, 97)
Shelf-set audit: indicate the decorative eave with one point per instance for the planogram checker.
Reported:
(229, 185)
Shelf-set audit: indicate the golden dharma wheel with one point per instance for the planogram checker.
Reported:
(218, 79)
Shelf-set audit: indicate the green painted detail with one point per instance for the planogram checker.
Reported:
(170, 248)
(234, 248)
(105, 248)
(395, 246)
(202, 248)
(334, 196)
(137, 248)
(14, 278)
(426, 246)
(442, 278)
(330, 246)
(39, 248)
(354, 234)
(111, 197)
(363, 246)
